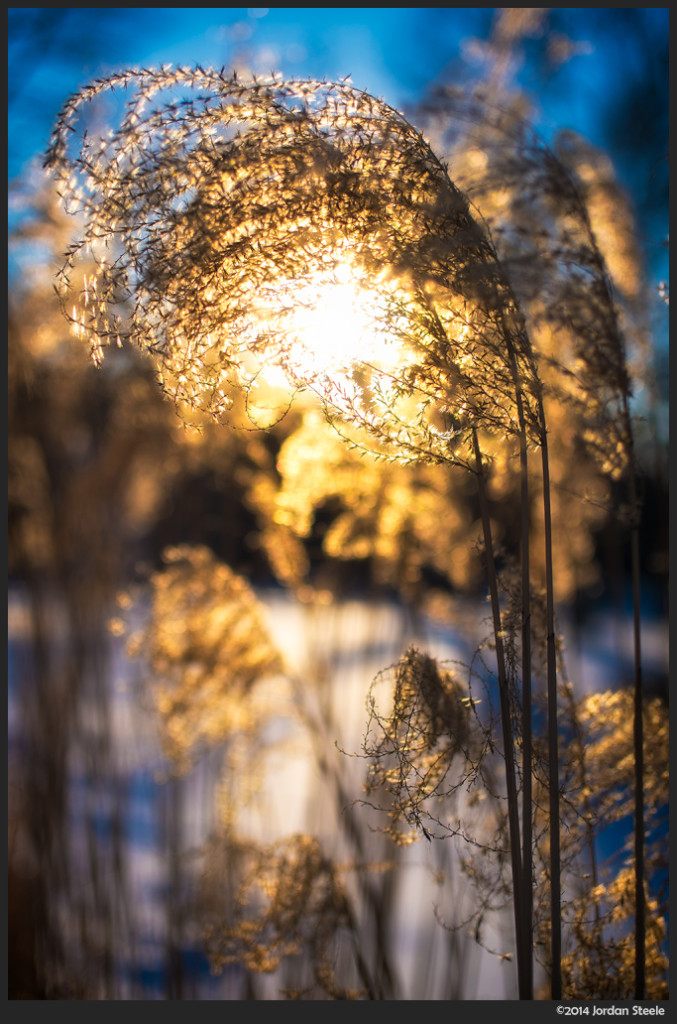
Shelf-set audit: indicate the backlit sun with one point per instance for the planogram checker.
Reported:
(328, 324)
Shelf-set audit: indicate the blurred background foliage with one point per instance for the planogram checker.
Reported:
(150, 706)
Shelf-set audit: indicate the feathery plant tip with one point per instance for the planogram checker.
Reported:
(228, 224)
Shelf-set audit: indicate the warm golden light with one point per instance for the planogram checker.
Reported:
(329, 324)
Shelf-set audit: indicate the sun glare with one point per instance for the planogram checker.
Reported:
(329, 325)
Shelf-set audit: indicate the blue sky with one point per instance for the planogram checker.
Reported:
(614, 90)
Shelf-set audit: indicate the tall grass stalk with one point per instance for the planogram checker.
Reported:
(506, 727)
(638, 737)
(553, 742)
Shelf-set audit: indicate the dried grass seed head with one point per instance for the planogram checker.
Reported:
(217, 207)
(411, 749)
(208, 648)
(282, 900)
(564, 233)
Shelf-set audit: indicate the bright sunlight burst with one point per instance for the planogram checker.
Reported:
(330, 323)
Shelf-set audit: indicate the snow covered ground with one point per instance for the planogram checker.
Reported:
(160, 823)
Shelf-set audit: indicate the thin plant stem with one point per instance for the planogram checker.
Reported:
(551, 684)
(511, 789)
(383, 985)
(640, 923)
(638, 727)
(553, 742)
(527, 753)
(527, 746)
